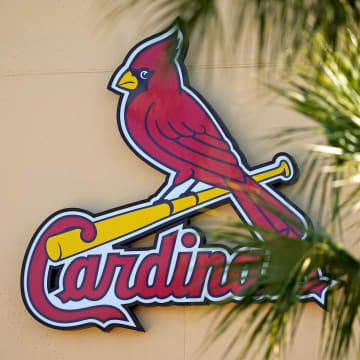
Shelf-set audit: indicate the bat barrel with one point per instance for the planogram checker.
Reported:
(69, 243)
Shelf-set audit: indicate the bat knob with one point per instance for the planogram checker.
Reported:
(287, 166)
(286, 169)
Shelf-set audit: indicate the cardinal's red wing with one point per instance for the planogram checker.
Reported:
(197, 142)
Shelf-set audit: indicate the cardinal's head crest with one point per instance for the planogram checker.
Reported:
(155, 55)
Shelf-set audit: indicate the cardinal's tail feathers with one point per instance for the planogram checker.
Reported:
(260, 208)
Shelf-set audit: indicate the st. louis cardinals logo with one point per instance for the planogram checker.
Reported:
(78, 270)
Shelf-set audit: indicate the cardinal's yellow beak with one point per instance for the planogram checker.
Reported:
(128, 81)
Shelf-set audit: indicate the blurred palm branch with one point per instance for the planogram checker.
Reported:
(326, 90)
(281, 23)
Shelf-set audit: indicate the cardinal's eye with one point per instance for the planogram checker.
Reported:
(144, 74)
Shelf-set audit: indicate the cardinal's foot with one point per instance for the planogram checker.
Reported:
(179, 190)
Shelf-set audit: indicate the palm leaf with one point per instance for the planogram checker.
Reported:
(279, 22)
(289, 262)
(326, 90)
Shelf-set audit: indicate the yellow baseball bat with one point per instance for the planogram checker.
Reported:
(69, 243)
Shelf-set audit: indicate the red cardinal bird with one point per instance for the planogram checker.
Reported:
(169, 125)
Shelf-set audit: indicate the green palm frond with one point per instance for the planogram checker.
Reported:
(281, 22)
(327, 91)
(288, 275)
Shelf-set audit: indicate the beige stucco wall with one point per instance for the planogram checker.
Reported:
(60, 148)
